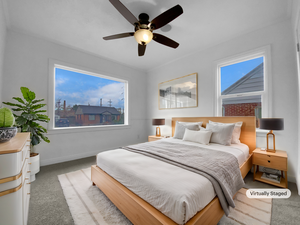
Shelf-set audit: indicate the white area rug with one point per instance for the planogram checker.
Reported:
(88, 205)
(249, 211)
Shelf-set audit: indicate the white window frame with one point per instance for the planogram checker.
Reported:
(266, 94)
(53, 64)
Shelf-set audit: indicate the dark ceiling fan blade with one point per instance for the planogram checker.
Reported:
(142, 49)
(165, 41)
(123, 35)
(167, 17)
(124, 11)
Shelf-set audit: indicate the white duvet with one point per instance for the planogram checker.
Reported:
(176, 192)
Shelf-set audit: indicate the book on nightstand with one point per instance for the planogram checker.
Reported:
(271, 177)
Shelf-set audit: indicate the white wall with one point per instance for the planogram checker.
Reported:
(295, 20)
(26, 64)
(2, 46)
(284, 76)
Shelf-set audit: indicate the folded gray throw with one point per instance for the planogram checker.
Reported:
(221, 168)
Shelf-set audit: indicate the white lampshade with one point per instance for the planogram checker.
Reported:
(143, 35)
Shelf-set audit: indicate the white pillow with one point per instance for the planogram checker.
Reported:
(180, 128)
(236, 131)
(201, 136)
(185, 123)
(221, 133)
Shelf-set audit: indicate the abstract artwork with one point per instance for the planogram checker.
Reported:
(178, 93)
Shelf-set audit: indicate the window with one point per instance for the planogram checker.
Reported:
(83, 98)
(91, 117)
(242, 87)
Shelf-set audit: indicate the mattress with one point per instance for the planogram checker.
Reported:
(176, 192)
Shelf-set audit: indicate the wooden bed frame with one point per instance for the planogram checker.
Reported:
(139, 212)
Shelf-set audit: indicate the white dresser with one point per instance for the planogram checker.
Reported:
(15, 180)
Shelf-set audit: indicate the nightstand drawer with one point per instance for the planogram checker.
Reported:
(275, 162)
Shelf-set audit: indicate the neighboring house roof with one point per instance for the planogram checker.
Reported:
(252, 81)
(95, 110)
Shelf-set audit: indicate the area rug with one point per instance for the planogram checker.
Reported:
(88, 205)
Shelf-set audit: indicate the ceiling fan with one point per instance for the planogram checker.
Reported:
(144, 29)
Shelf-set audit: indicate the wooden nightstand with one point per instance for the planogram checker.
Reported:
(277, 160)
(155, 138)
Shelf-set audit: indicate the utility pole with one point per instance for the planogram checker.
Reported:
(109, 102)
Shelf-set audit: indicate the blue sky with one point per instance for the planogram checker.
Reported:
(232, 73)
(81, 89)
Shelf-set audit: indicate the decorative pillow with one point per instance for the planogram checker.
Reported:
(221, 133)
(180, 129)
(236, 131)
(201, 136)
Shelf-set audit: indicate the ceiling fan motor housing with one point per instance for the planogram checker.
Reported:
(144, 18)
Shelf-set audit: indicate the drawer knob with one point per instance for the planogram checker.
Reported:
(28, 171)
(28, 193)
(29, 163)
(29, 183)
(269, 161)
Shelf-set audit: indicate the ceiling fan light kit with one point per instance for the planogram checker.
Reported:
(143, 36)
(144, 29)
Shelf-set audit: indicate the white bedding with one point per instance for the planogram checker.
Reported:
(176, 192)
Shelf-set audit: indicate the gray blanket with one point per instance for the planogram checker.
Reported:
(221, 168)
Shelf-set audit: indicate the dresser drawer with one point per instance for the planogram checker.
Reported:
(275, 162)
(13, 162)
(26, 197)
(11, 208)
(15, 181)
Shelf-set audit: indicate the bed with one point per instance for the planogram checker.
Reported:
(139, 211)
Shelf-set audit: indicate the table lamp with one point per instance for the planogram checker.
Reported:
(271, 124)
(158, 122)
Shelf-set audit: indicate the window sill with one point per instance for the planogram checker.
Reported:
(71, 130)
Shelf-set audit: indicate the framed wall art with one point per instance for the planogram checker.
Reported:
(178, 93)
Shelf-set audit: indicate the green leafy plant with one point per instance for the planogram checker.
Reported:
(7, 118)
(30, 115)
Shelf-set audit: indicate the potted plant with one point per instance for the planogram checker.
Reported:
(7, 120)
(28, 121)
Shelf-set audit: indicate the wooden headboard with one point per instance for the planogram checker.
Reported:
(248, 133)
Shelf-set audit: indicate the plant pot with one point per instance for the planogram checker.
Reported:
(7, 133)
(35, 165)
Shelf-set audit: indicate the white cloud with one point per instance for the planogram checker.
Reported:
(61, 94)
(113, 92)
(109, 92)
(60, 81)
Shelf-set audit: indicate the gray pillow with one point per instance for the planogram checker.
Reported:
(180, 129)
(221, 133)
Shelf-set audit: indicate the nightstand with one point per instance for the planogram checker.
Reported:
(275, 160)
(155, 138)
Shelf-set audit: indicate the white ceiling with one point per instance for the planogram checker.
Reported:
(81, 24)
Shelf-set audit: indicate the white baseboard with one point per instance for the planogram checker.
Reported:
(69, 158)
